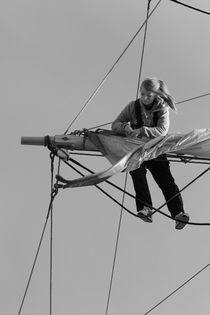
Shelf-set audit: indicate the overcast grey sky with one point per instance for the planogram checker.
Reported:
(53, 55)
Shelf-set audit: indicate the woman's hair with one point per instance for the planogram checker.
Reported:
(160, 88)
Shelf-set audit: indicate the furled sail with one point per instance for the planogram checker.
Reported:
(126, 153)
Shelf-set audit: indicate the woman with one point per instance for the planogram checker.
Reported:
(149, 117)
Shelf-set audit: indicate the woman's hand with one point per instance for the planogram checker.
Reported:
(135, 132)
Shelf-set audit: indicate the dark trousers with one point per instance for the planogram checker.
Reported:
(161, 173)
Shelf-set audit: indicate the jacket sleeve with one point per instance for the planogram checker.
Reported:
(121, 123)
(162, 126)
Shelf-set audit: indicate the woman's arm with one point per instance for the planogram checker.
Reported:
(121, 123)
(160, 130)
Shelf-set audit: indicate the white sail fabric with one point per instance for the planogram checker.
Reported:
(129, 153)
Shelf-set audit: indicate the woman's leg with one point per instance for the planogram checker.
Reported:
(143, 197)
(161, 172)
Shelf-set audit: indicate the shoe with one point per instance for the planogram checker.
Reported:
(145, 214)
(181, 220)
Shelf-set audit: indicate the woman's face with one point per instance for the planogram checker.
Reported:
(147, 97)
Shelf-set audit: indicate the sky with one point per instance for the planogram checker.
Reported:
(53, 55)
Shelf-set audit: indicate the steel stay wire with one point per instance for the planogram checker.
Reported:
(190, 7)
(190, 183)
(192, 98)
(126, 177)
(116, 244)
(181, 286)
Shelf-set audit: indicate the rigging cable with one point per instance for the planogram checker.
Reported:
(132, 196)
(53, 194)
(189, 6)
(102, 190)
(108, 73)
(126, 176)
(143, 47)
(181, 286)
(190, 183)
(116, 244)
(177, 103)
(193, 98)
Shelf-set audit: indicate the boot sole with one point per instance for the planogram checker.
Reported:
(180, 225)
(145, 218)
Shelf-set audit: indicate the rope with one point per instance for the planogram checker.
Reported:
(102, 190)
(188, 6)
(190, 183)
(96, 127)
(116, 245)
(110, 70)
(143, 47)
(132, 196)
(53, 194)
(181, 286)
